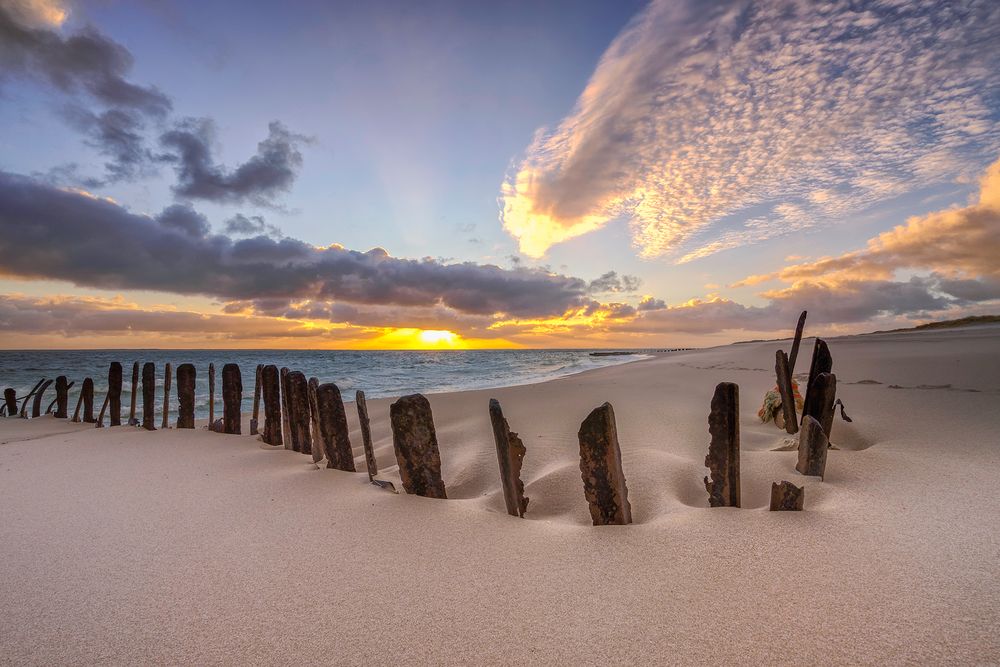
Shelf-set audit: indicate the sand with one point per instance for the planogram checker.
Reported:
(121, 546)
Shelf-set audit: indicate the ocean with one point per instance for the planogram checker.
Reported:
(379, 374)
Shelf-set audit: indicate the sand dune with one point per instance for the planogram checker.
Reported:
(122, 546)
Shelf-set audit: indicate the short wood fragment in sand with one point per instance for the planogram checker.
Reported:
(366, 434)
(782, 372)
(168, 376)
(87, 395)
(256, 401)
(115, 393)
(510, 455)
(186, 374)
(232, 399)
(786, 497)
(601, 469)
(334, 428)
(820, 401)
(813, 447)
(270, 380)
(149, 396)
(723, 460)
(62, 397)
(415, 443)
(10, 401)
(36, 406)
(298, 407)
(132, 421)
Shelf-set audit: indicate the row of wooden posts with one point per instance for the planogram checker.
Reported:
(309, 417)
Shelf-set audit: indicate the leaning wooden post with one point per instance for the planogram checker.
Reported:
(318, 450)
(10, 401)
(415, 443)
(24, 405)
(601, 468)
(232, 399)
(784, 375)
(36, 406)
(62, 397)
(786, 497)
(79, 404)
(286, 431)
(333, 427)
(167, 377)
(114, 399)
(723, 460)
(256, 400)
(186, 374)
(87, 394)
(298, 418)
(271, 393)
(510, 455)
(813, 446)
(211, 397)
(132, 421)
(794, 354)
(149, 396)
(104, 407)
(820, 400)
(366, 434)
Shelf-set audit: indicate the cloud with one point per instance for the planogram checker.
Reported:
(712, 125)
(611, 282)
(242, 225)
(258, 180)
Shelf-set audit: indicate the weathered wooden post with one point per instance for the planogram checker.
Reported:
(601, 468)
(55, 400)
(186, 375)
(87, 394)
(10, 401)
(820, 400)
(256, 400)
(76, 411)
(813, 446)
(415, 443)
(132, 421)
(822, 362)
(167, 377)
(104, 407)
(232, 399)
(366, 435)
(510, 455)
(786, 497)
(794, 354)
(62, 397)
(36, 406)
(149, 396)
(334, 429)
(114, 399)
(723, 460)
(784, 375)
(319, 448)
(286, 431)
(211, 396)
(298, 419)
(24, 403)
(271, 392)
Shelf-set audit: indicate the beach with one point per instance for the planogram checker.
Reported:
(123, 546)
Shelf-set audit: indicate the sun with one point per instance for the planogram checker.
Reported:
(438, 337)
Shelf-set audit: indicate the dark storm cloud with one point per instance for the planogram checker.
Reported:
(118, 134)
(252, 225)
(258, 180)
(55, 234)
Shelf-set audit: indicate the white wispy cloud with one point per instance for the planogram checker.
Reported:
(806, 111)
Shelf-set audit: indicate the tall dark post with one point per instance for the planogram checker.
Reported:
(167, 377)
(601, 468)
(415, 442)
(286, 410)
(822, 362)
(186, 374)
(271, 392)
(366, 435)
(333, 428)
(723, 460)
(149, 396)
(784, 375)
(211, 396)
(62, 397)
(510, 455)
(299, 416)
(115, 394)
(10, 401)
(318, 450)
(132, 421)
(256, 400)
(232, 399)
(87, 393)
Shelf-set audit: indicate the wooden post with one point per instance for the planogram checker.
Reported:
(794, 354)
(79, 404)
(186, 375)
(723, 460)
(232, 399)
(286, 430)
(318, 450)
(62, 397)
(104, 407)
(601, 468)
(271, 392)
(786, 497)
(366, 435)
(36, 406)
(298, 418)
(55, 400)
(87, 394)
(149, 396)
(784, 375)
(333, 427)
(211, 397)
(24, 404)
(822, 362)
(10, 401)
(167, 377)
(256, 400)
(114, 399)
(132, 421)
(510, 455)
(820, 400)
(415, 443)
(813, 446)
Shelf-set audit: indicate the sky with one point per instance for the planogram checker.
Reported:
(452, 174)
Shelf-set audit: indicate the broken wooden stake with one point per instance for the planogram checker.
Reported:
(87, 394)
(786, 497)
(186, 375)
(271, 393)
(104, 407)
(723, 460)
(79, 404)
(298, 408)
(256, 400)
(822, 362)
(149, 396)
(813, 446)
(114, 399)
(415, 443)
(366, 435)
(36, 406)
(167, 378)
(64, 393)
(24, 404)
(336, 439)
(783, 372)
(510, 455)
(132, 421)
(62, 397)
(211, 397)
(319, 449)
(232, 399)
(286, 431)
(601, 468)
(10, 401)
(820, 400)
(794, 353)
